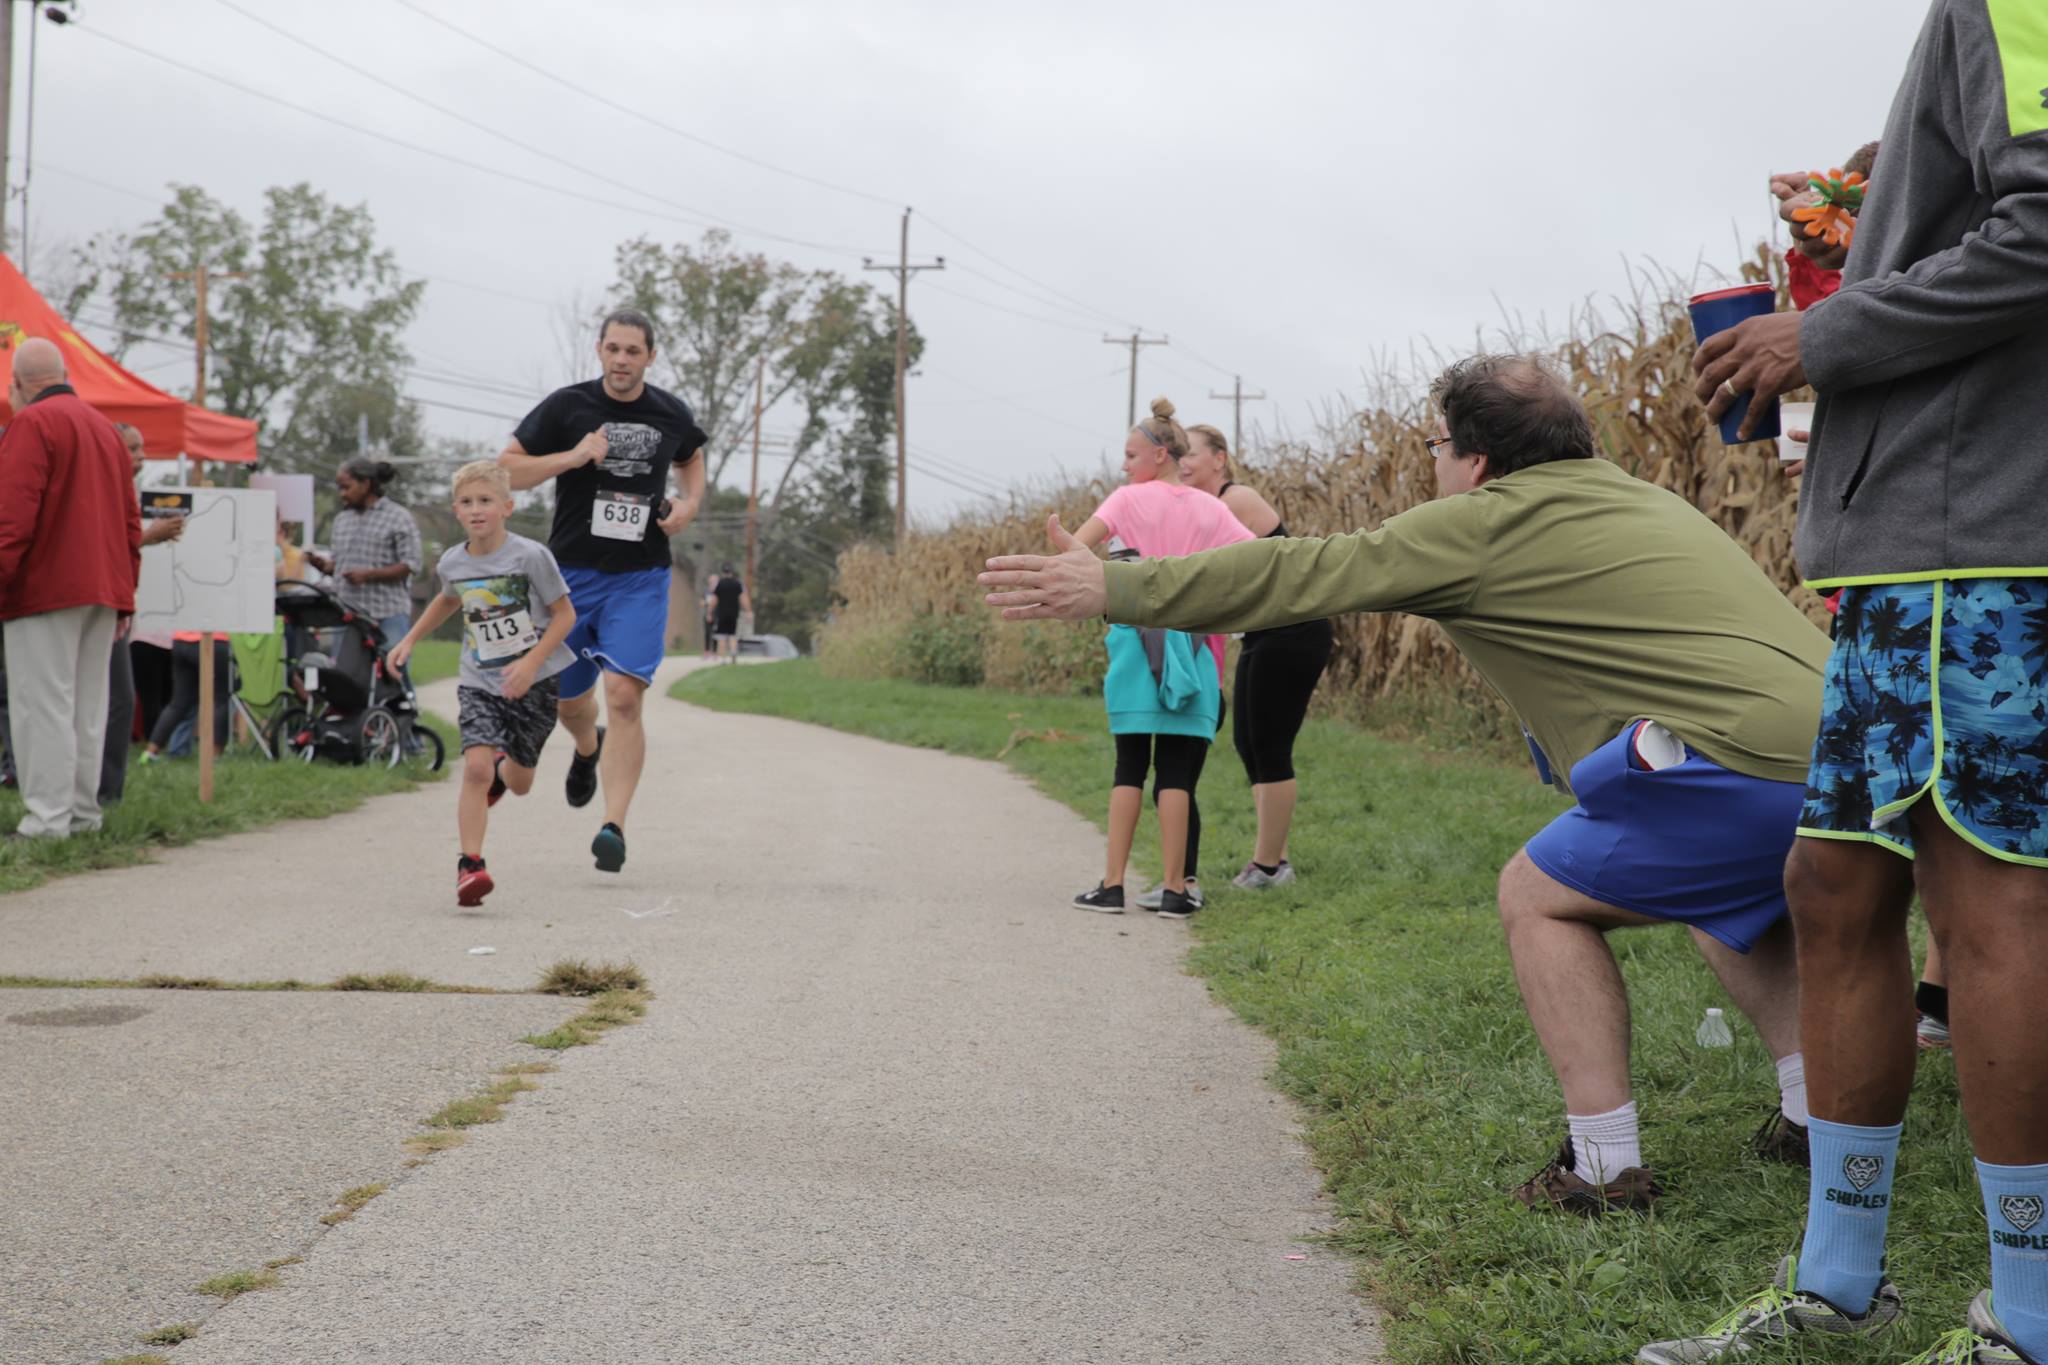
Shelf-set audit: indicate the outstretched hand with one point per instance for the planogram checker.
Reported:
(1067, 586)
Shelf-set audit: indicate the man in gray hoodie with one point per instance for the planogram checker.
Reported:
(1923, 503)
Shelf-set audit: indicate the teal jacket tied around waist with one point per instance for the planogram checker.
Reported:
(1183, 698)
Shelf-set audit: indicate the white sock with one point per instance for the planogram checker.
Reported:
(1605, 1145)
(1792, 1087)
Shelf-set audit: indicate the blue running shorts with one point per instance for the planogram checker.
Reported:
(621, 625)
(1692, 842)
(1936, 689)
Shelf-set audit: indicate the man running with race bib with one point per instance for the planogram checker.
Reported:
(608, 444)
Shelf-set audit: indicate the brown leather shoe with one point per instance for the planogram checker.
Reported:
(1557, 1187)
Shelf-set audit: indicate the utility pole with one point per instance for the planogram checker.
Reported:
(1238, 398)
(1134, 341)
(754, 479)
(6, 111)
(199, 275)
(903, 270)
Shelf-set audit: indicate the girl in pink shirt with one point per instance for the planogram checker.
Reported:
(1157, 516)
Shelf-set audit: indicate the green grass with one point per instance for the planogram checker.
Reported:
(1384, 980)
(162, 809)
(433, 660)
(236, 1283)
(351, 1202)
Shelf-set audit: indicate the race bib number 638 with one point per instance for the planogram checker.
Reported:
(620, 516)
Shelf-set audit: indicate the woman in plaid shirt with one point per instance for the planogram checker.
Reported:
(376, 548)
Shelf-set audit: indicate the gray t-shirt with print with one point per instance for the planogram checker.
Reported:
(505, 597)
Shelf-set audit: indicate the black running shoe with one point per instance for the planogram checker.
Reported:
(1176, 905)
(497, 791)
(609, 848)
(582, 783)
(1108, 899)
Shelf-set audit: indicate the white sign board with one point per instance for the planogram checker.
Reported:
(294, 495)
(220, 574)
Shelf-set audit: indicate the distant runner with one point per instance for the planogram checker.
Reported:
(729, 599)
(608, 444)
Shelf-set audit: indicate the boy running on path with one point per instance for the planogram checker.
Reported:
(515, 614)
(1668, 685)
(608, 444)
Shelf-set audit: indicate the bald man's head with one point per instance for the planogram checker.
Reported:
(37, 365)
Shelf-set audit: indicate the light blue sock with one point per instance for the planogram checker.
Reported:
(2016, 1207)
(1847, 1205)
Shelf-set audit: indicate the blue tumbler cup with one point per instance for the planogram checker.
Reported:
(1717, 311)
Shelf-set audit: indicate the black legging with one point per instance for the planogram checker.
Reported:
(1176, 764)
(152, 664)
(185, 692)
(1277, 672)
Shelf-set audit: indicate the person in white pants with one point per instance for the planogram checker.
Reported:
(70, 547)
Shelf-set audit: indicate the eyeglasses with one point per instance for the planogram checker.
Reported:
(1430, 443)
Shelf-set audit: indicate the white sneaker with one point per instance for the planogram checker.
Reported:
(1931, 1034)
(1151, 899)
(1253, 879)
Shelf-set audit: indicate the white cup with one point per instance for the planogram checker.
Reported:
(1793, 417)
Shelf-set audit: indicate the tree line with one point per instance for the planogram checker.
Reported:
(306, 326)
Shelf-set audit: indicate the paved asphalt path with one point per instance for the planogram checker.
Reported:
(153, 1139)
(894, 1100)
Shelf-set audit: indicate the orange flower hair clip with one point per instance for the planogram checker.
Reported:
(1833, 219)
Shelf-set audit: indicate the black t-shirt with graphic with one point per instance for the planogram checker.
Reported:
(728, 592)
(605, 512)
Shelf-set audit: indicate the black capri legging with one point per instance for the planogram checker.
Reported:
(1176, 764)
(184, 704)
(1277, 672)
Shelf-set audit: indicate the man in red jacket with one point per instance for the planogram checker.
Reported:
(70, 549)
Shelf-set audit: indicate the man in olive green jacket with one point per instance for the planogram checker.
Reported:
(1665, 683)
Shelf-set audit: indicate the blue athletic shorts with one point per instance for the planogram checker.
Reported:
(1694, 842)
(1936, 689)
(621, 625)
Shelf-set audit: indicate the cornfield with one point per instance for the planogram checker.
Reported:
(903, 611)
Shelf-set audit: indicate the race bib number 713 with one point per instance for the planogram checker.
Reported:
(499, 633)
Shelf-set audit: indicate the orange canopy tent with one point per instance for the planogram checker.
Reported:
(170, 426)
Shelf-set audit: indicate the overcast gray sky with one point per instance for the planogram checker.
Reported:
(1286, 189)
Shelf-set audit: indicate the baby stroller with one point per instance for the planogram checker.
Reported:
(356, 708)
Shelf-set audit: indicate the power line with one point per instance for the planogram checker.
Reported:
(999, 398)
(1013, 312)
(1000, 263)
(464, 119)
(1134, 341)
(891, 201)
(694, 218)
(107, 185)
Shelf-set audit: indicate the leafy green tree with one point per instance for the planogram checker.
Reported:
(826, 346)
(309, 343)
(718, 315)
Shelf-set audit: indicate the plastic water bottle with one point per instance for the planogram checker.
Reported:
(1713, 1031)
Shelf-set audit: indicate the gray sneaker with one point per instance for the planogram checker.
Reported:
(1982, 1342)
(1253, 878)
(1151, 899)
(1773, 1314)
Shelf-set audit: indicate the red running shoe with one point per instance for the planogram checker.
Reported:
(472, 881)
